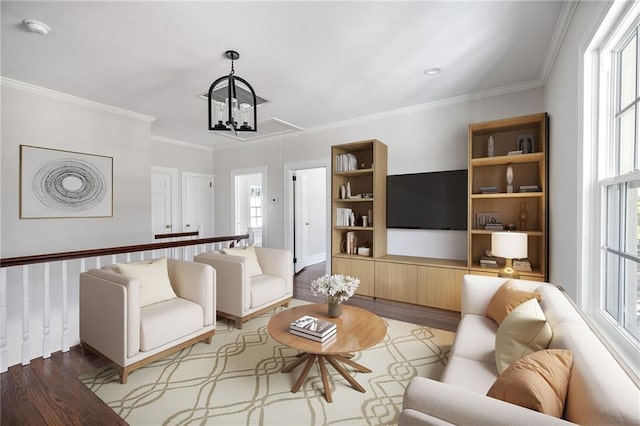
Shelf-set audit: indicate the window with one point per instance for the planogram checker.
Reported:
(255, 206)
(614, 297)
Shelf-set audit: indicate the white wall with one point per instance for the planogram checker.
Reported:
(44, 121)
(428, 140)
(563, 102)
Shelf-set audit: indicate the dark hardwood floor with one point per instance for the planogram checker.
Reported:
(48, 392)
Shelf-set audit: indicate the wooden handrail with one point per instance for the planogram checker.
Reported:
(54, 257)
(176, 235)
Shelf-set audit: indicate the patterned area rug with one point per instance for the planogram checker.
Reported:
(236, 380)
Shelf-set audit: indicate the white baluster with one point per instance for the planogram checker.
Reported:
(184, 253)
(141, 255)
(46, 320)
(128, 257)
(98, 264)
(3, 320)
(26, 356)
(65, 309)
(83, 265)
(114, 259)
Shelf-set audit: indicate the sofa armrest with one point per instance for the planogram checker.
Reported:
(462, 407)
(233, 293)
(277, 262)
(110, 313)
(195, 282)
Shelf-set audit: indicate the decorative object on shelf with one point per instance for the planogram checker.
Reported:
(348, 189)
(337, 289)
(523, 216)
(343, 192)
(364, 251)
(490, 147)
(510, 153)
(525, 143)
(61, 184)
(509, 179)
(482, 219)
(370, 217)
(509, 227)
(350, 243)
(230, 103)
(365, 221)
(509, 245)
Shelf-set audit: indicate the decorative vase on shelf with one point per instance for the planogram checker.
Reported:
(523, 216)
(343, 192)
(334, 309)
(509, 179)
(490, 147)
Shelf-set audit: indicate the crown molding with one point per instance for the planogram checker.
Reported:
(504, 90)
(560, 31)
(31, 88)
(181, 143)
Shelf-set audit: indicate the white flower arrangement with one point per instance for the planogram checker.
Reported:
(337, 288)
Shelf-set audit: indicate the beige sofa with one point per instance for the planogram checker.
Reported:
(114, 325)
(599, 392)
(242, 296)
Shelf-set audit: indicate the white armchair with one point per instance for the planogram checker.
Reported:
(113, 323)
(247, 289)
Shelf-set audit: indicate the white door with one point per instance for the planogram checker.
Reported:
(310, 217)
(197, 203)
(249, 210)
(163, 200)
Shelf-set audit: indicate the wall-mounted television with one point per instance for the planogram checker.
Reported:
(435, 200)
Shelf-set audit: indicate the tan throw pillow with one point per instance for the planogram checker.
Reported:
(523, 331)
(252, 260)
(537, 381)
(154, 281)
(506, 299)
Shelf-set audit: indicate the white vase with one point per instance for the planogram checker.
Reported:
(509, 179)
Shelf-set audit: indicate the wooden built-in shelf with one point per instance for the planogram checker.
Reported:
(507, 159)
(353, 228)
(351, 256)
(358, 172)
(489, 232)
(509, 195)
(352, 200)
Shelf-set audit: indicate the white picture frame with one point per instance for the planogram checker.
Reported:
(55, 183)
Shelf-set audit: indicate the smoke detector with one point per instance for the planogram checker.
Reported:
(36, 26)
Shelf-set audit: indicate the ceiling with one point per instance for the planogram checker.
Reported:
(318, 63)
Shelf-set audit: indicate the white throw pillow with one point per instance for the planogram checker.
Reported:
(252, 260)
(154, 281)
(523, 331)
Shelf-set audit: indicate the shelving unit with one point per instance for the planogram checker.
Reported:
(529, 168)
(370, 177)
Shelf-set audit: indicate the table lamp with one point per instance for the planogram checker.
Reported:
(510, 245)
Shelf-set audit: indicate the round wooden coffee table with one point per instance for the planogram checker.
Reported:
(358, 329)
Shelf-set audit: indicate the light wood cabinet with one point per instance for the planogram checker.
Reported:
(363, 269)
(397, 281)
(529, 168)
(362, 167)
(440, 287)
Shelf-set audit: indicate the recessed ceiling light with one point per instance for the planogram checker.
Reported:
(36, 26)
(433, 71)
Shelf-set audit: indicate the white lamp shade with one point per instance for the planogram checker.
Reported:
(510, 245)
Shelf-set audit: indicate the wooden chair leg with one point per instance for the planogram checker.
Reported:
(239, 323)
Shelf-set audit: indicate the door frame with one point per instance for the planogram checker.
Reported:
(184, 175)
(176, 211)
(265, 197)
(289, 170)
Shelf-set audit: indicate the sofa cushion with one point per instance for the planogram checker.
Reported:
(523, 331)
(253, 266)
(469, 374)
(266, 288)
(537, 381)
(172, 319)
(153, 278)
(475, 339)
(506, 299)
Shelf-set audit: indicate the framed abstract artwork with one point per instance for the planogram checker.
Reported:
(64, 184)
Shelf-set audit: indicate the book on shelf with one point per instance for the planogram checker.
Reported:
(312, 326)
(529, 188)
(346, 162)
(344, 217)
(488, 189)
(489, 262)
(494, 227)
(522, 265)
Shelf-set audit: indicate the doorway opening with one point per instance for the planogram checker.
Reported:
(249, 212)
(308, 212)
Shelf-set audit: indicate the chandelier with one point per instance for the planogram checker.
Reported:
(232, 100)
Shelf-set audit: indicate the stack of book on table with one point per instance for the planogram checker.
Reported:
(313, 328)
(522, 265)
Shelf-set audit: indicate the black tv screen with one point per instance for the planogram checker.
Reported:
(436, 200)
